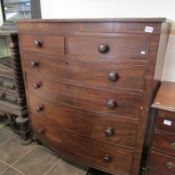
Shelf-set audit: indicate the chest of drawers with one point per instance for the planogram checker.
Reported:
(89, 85)
(162, 151)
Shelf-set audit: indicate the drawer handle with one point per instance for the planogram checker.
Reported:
(112, 104)
(41, 131)
(34, 63)
(170, 165)
(109, 132)
(37, 85)
(107, 158)
(103, 48)
(37, 43)
(113, 76)
(173, 145)
(39, 108)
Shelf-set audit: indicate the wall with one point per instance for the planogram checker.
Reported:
(114, 9)
(1, 20)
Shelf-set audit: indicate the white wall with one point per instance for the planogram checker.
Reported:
(114, 9)
(1, 19)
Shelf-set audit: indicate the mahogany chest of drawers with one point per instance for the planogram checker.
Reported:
(161, 159)
(89, 86)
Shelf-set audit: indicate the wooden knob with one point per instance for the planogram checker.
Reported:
(37, 85)
(37, 43)
(173, 145)
(103, 48)
(34, 63)
(107, 158)
(112, 104)
(41, 130)
(39, 108)
(170, 165)
(113, 76)
(109, 132)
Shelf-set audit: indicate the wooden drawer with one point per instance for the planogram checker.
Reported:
(48, 44)
(92, 99)
(108, 46)
(162, 163)
(95, 154)
(105, 73)
(101, 127)
(164, 142)
(166, 121)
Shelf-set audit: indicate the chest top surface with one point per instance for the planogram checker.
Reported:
(165, 98)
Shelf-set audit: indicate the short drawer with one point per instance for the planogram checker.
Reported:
(164, 142)
(103, 156)
(97, 100)
(105, 73)
(101, 127)
(108, 46)
(162, 163)
(166, 121)
(49, 44)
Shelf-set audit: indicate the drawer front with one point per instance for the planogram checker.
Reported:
(101, 127)
(166, 121)
(49, 44)
(164, 142)
(87, 98)
(102, 156)
(104, 73)
(120, 46)
(162, 163)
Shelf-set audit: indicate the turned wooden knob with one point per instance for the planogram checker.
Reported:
(39, 108)
(37, 85)
(37, 43)
(112, 104)
(109, 132)
(170, 165)
(41, 130)
(103, 48)
(34, 63)
(113, 76)
(107, 158)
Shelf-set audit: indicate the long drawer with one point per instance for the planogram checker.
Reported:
(92, 99)
(102, 156)
(109, 73)
(108, 46)
(101, 127)
(47, 44)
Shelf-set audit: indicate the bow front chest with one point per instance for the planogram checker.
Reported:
(89, 85)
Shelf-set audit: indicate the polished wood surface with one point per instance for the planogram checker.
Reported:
(91, 81)
(103, 127)
(67, 69)
(165, 98)
(107, 157)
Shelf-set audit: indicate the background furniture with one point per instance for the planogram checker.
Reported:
(162, 151)
(90, 84)
(13, 10)
(12, 93)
